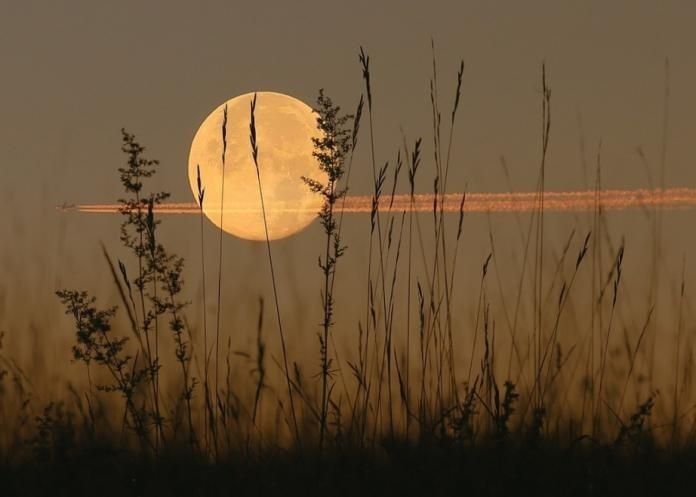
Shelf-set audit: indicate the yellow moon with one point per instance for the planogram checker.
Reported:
(285, 127)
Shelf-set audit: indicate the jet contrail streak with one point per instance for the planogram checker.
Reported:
(585, 200)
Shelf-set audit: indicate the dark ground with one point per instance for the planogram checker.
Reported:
(583, 470)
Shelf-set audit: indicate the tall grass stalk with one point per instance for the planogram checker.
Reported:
(412, 170)
(378, 176)
(255, 156)
(208, 415)
(539, 259)
(219, 285)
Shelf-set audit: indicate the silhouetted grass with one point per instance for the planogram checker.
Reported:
(424, 402)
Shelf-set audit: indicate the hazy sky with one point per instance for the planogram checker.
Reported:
(74, 72)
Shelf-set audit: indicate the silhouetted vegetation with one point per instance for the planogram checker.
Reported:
(407, 411)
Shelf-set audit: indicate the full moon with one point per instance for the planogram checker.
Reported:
(285, 127)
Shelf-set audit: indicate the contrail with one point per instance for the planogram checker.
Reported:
(561, 201)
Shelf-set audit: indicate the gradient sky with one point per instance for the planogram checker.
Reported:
(74, 72)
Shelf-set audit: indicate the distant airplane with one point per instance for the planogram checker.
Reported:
(65, 207)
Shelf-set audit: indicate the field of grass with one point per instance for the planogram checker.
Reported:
(552, 384)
